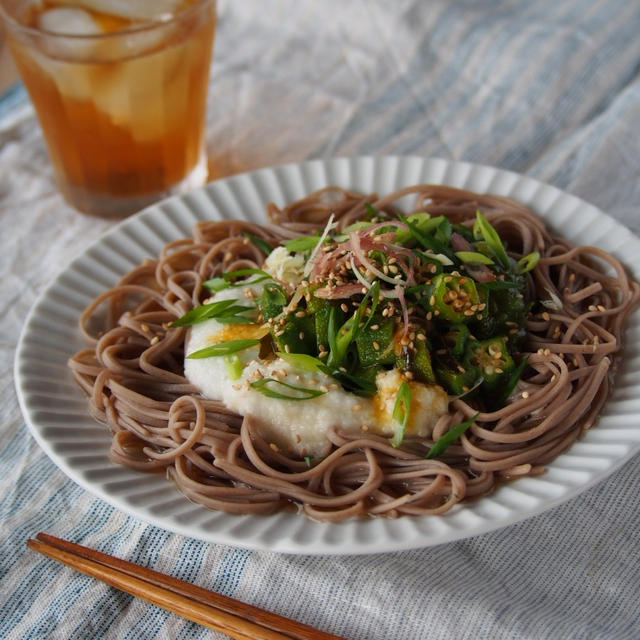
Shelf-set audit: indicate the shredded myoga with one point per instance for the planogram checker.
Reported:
(579, 299)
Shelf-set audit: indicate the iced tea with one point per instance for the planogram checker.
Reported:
(120, 90)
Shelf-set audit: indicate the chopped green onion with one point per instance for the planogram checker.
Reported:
(262, 244)
(225, 281)
(528, 262)
(225, 348)
(359, 225)
(510, 383)
(304, 393)
(216, 284)
(248, 271)
(474, 257)
(372, 212)
(234, 366)
(353, 383)
(401, 410)
(340, 339)
(301, 243)
(302, 361)
(482, 229)
(450, 437)
(222, 310)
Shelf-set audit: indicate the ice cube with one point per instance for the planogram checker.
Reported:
(147, 10)
(68, 21)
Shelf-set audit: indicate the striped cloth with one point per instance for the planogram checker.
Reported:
(543, 87)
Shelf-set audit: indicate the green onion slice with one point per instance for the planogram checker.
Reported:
(234, 365)
(482, 229)
(302, 361)
(401, 410)
(288, 391)
(222, 310)
(450, 437)
(340, 338)
(261, 243)
(225, 348)
(301, 243)
(226, 280)
(528, 262)
(473, 257)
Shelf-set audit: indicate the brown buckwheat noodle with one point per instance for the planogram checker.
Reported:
(133, 373)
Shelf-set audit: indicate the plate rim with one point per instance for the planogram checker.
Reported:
(319, 546)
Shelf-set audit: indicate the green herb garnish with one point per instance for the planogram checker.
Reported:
(301, 243)
(401, 410)
(261, 243)
(234, 366)
(473, 257)
(340, 338)
(225, 348)
(222, 310)
(299, 393)
(483, 230)
(528, 262)
(302, 361)
(450, 437)
(226, 281)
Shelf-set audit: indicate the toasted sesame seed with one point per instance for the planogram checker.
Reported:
(300, 314)
(274, 446)
(344, 307)
(301, 335)
(155, 340)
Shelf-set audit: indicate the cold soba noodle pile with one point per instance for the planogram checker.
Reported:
(474, 302)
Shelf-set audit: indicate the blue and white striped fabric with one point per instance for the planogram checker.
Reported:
(546, 88)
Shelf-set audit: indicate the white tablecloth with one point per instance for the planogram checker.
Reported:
(546, 88)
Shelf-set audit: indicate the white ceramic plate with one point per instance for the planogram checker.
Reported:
(56, 410)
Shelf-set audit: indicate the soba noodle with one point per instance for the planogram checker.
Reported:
(133, 373)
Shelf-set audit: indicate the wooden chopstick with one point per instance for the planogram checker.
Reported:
(215, 610)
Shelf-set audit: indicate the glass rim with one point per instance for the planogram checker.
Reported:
(12, 23)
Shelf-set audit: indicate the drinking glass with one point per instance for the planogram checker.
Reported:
(120, 90)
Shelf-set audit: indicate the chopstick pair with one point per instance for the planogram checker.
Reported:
(217, 611)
